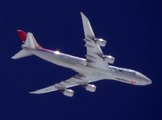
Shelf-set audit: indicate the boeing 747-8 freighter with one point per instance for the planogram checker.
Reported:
(93, 68)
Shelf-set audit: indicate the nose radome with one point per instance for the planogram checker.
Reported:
(148, 80)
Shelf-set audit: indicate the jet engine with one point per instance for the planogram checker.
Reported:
(68, 92)
(109, 59)
(101, 42)
(90, 88)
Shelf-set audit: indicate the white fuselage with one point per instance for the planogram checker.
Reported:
(79, 65)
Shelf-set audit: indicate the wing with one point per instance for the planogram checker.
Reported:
(78, 79)
(94, 52)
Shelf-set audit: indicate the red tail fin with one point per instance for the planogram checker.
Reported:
(22, 35)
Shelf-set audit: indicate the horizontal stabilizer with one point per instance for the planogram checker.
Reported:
(21, 54)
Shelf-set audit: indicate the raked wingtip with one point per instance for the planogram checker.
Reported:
(33, 92)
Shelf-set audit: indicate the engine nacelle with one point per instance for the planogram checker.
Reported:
(68, 92)
(109, 59)
(90, 88)
(101, 42)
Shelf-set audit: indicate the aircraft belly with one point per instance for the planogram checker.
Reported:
(75, 63)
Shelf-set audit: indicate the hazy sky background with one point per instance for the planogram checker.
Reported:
(133, 31)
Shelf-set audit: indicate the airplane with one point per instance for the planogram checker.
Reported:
(94, 67)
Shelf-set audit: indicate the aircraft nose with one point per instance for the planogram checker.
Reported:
(147, 80)
(143, 79)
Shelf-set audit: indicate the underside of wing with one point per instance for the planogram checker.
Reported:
(78, 79)
(95, 56)
(88, 32)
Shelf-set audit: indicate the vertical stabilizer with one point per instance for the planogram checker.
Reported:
(29, 41)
